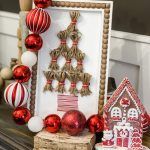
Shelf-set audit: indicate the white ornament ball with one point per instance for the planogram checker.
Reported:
(6, 73)
(1, 82)
(35, 124)
(29, 58)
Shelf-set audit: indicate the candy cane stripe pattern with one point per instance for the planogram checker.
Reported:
(16, 94)
(38, 20)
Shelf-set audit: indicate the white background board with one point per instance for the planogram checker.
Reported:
(91, 26)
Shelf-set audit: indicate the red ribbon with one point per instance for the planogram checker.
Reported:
(73, 84)
(61, 83)
(49, 81)
(79, 62)
(85, 85)
(54, 60)
(68, 61)
(74, 22)
(75, 43)
(63, 41)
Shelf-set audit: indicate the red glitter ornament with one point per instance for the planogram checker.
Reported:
(22, 73)
(33, 42)
(73, 122)
(95, 124)
(52, 123)
(42, 3)
(21, 115)
(38, 20)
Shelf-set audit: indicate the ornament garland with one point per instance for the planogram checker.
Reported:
(38, 21)
(16, 94)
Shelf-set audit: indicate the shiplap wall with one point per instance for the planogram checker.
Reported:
(8, 40)
(129, 54)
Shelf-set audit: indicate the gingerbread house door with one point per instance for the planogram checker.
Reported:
(122, 139)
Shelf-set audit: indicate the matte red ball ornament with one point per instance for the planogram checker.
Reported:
(21, 115)
(38, 20)
(33, 42)
(52, 123)
(22, 73)
(42, 3)
(73, 122)
(95, 124)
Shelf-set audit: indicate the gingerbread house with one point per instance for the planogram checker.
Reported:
(124, 115)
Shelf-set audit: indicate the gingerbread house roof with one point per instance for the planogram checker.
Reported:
(125, 84)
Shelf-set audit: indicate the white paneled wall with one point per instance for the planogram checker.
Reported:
(8, 39)
(129, 56)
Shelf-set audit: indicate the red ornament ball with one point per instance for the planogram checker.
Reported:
(95, 124)
(52, 123)
(33, 42)
(73, 122)
(42, 3)
(38, 20)
(21, 115)
(21, 73)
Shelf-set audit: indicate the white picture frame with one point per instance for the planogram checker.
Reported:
(95, 26)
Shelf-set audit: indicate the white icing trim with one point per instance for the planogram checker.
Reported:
(130, 97)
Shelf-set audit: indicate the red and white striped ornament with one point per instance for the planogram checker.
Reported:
(16, 94)
(38, 20)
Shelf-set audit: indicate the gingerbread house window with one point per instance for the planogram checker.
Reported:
(132, 114)
(116, 114)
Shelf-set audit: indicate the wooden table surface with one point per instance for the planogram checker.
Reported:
(146, 139)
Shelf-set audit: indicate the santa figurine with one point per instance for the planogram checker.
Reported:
(108, 138)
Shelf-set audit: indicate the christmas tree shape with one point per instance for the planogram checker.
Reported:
(74, 75)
